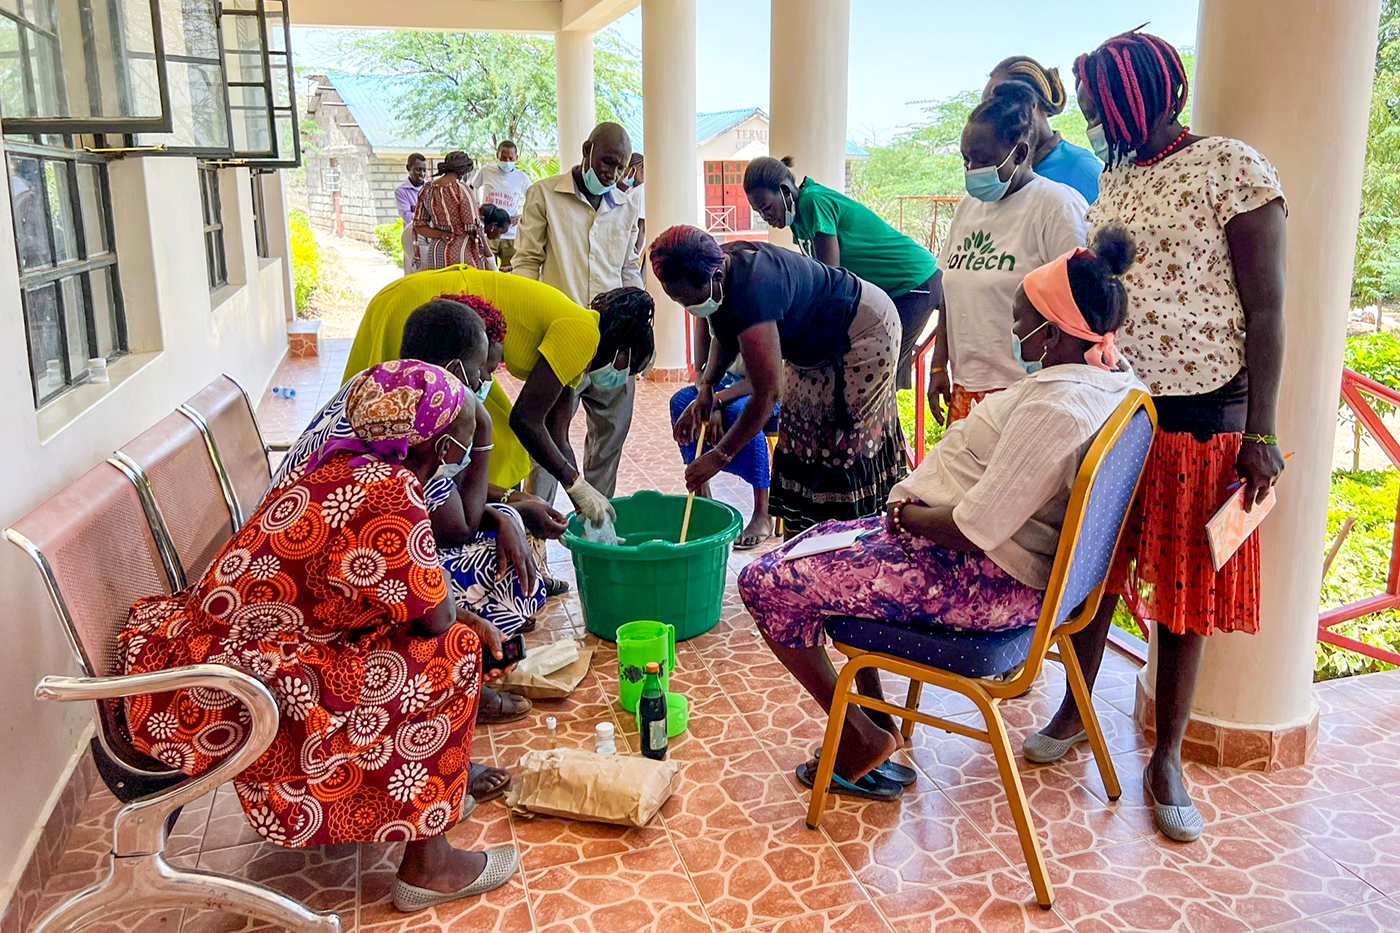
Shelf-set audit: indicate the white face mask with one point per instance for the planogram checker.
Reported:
(709, 305)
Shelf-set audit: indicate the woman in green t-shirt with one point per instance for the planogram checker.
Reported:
(839, 231)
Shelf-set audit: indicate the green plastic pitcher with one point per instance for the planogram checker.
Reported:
(638, 644)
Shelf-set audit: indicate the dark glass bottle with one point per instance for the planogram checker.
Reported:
(651, 714)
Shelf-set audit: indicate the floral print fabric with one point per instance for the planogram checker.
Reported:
(1184, 334)
(898, 578)
(313, 596)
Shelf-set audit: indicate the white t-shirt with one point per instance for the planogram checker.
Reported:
(639, 198)
(506, 190)
(1008, 468)
(989, 248)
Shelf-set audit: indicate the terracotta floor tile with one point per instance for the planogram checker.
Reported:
(920, 840)
(1321, 778)
(637, 892)
(547, 841)
(1267, 874)
(705, 737)
(768, 873)
(1000, 902)
(1214, 791)
(1356, 831)
(1364, 742)
(1066, 816)
(1368, 918)
(1137, 886)
(320, 878)
(227, 825)
(514, 740)
(856, 918)
(719, 795)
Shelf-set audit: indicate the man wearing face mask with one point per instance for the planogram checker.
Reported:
(503, 184)
(1012, 222)
(579, 234)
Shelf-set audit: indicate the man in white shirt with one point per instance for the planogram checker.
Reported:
(579, 234)
(502, 184)
(634, 183)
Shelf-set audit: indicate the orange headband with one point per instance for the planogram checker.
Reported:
(1048, 290)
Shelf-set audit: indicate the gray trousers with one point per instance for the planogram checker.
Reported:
(609, 413)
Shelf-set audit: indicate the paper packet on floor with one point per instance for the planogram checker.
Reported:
(570, 782)
(549, 672)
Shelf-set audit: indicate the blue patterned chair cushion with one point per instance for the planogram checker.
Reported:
(970, 653)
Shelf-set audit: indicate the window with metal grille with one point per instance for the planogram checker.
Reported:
(213, 226)
(69, 291)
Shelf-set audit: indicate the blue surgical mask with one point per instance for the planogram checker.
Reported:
(594, 186)
(985, 183)
(1098, 141)
(449, 470)
(505, 166)
(709, 305)
(608, 377)
(1030, 366)
(484, 390)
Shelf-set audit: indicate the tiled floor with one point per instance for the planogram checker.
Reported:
(1316, 849)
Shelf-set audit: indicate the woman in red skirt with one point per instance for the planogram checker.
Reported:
(1205, 332)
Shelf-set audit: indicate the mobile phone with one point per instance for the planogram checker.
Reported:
(513, 650)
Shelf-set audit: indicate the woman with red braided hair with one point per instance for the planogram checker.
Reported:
(1205, 333)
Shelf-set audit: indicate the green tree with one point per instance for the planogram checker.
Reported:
(1376, 275)
(472, 90)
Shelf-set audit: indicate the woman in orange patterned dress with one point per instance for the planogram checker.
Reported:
(449, 219)
(333, 596)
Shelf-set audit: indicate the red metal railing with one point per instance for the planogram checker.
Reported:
(1353, 387)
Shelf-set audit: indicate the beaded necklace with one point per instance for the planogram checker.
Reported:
(1166, 150)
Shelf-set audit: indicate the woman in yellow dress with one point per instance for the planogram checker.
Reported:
(551, 344)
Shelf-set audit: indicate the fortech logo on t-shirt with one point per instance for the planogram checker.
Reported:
(978, 251)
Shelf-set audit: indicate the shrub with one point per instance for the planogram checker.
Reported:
(390, 237)
(1375, 356)
(932, 429)
(306, 259)
(1360, 567)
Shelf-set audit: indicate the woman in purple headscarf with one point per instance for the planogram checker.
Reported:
(332, 595)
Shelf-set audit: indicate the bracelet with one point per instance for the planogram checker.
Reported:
(937, 369)
(897, 513)
(719, 452)
(505, 497)
(477, 448)
(1267, 439)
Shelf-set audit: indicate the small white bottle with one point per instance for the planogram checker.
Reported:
(97, 370)
(551, 731)
(604, 739)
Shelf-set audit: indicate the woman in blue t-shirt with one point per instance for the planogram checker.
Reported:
(1052, 156)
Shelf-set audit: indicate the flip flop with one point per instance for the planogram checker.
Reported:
(501, 866)
(553, 587)
(499, 718)
(870, 787)
(890, 770)
(473, 772)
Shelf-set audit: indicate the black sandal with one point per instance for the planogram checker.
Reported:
(553, 587)
(480, 773)
(869, 787)
(501, 715)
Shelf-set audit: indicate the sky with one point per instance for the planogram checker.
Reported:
(902, 51)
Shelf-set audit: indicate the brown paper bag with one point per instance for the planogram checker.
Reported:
(572, 782)
(552, 686)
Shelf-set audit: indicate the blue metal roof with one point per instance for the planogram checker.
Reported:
(369, 99)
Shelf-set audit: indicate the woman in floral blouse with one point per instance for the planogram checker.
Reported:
(333, 596)
(1205, 332)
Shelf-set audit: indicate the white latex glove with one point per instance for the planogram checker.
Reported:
(591, 503)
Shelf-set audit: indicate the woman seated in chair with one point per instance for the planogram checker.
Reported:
(967, 540)
(333, 596)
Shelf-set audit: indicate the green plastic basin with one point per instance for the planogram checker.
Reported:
(651, 577)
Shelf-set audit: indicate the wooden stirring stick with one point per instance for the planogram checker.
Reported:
(690, 499)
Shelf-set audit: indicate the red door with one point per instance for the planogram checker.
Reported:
(734, 194)
(714, 184)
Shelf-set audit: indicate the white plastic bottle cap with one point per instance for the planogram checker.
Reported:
(97, 369)
(605, 730)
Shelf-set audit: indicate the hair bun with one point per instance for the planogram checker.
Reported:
(786, 160)
(1114, 245)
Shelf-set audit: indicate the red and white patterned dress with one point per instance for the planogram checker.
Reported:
(447, 203)
(314, 596)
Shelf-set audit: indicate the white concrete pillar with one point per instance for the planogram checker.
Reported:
(1265, 68)
(573, 75)
(668, 113)
(807, 89)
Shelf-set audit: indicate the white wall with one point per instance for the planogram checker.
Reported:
(180, 340)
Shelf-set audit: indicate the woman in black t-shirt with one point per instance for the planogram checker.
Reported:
(820, 337)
